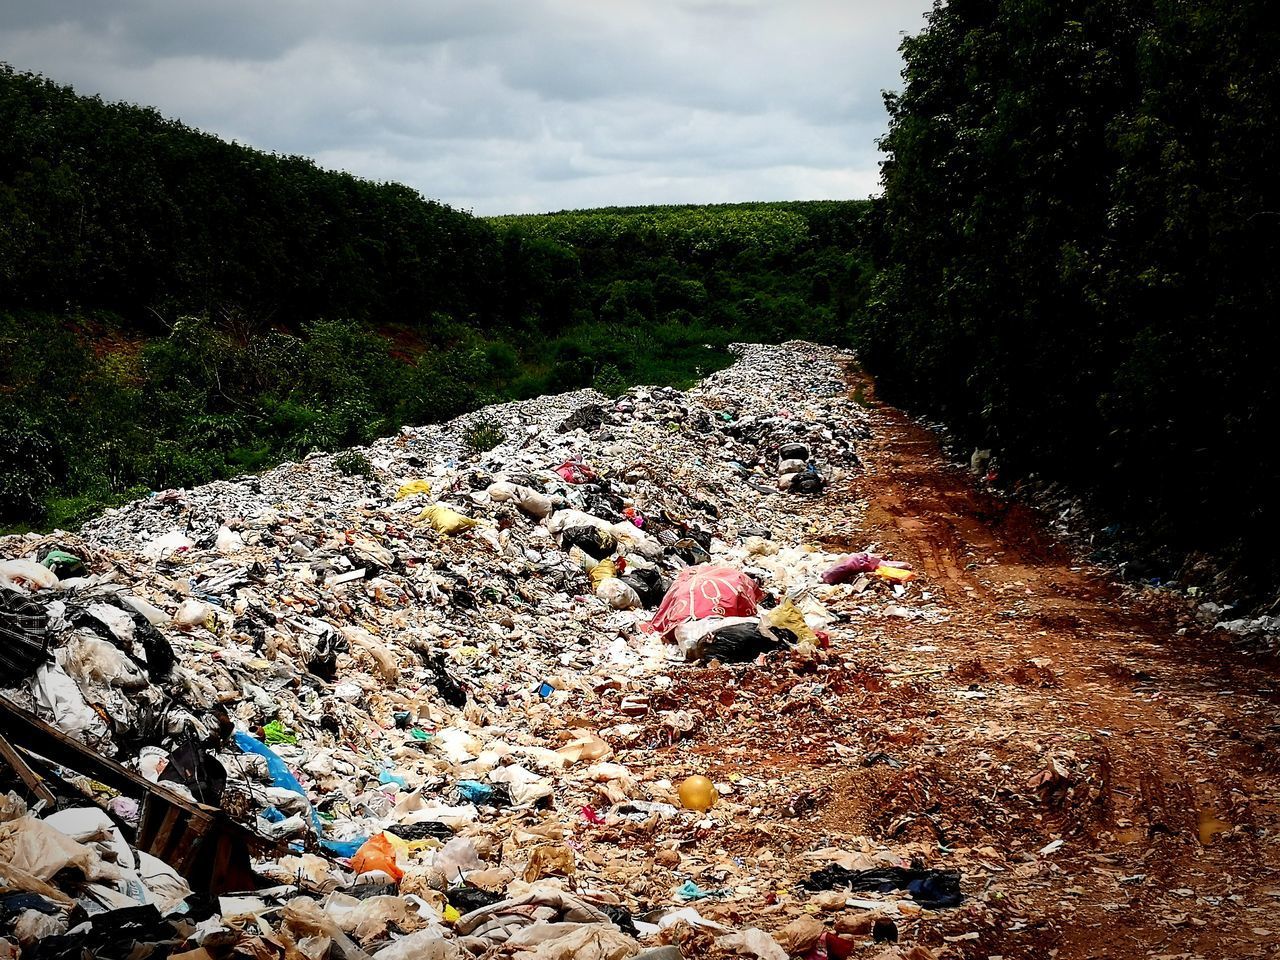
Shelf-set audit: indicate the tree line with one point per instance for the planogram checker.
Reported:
(175, 308)
(1080, 227)
(1072, 263)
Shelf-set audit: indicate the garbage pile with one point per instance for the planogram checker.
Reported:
(435, 685)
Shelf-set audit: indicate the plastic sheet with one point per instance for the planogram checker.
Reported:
(704, 591)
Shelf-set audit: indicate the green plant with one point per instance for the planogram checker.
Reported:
(353, 463)
(609, 380)
(483, 435)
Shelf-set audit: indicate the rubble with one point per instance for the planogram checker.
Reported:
(434, 693)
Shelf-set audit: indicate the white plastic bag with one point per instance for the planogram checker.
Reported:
(167, 545)
(618, 595)
(26, 575)
(61, 702)
(423, 945)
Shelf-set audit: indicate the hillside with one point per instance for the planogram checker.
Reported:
(177, 309)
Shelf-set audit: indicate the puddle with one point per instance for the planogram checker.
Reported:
(1210, 825)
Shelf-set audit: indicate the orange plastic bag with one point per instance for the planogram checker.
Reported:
(377, 853)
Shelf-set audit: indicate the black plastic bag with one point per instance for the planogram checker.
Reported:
(594, 542)
(737, 643)
(932, 889)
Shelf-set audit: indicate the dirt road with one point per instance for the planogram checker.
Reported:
(1108, 787)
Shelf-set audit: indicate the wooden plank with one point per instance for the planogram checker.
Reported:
(35, 783)
(29, 732)
(166, 838)
(213, 849)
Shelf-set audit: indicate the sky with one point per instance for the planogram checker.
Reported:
(507, 107)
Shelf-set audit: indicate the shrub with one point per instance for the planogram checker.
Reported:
(483, 435)
(353, 463)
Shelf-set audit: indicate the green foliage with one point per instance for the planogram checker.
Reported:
(353, 463)
(26, 473)
(176, 309)
(1080, 243)
(483, 435)
(110, 205)
(609, 380)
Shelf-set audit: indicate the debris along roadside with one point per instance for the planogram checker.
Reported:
(445, 687)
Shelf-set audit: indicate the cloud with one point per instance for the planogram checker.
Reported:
(502, 107)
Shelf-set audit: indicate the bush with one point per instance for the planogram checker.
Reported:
(26, 474)
(483, 435)
(610, 381)
(353, 463)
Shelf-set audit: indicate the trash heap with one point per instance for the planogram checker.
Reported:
(432, 684)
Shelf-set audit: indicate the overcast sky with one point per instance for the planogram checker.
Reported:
(505, 107)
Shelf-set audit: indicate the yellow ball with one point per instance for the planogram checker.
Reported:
(697, 793)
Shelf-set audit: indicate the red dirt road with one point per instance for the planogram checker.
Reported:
(1109, 788)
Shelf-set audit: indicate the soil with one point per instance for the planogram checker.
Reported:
(1107, 779)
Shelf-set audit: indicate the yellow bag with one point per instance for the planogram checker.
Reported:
(897, 574)
(446, 522)
(412, 487)
(602, 571)
(788, 616)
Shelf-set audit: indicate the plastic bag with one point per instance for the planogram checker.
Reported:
(163, 547)
(64, 564)
(618, 594)
(706, 591)
(737, 643)
(753, 942)
(690, 636)
(412, 488)
(94, 660)
(793, 451)
(192, 613)
(228, 541)
(585, 746)
(369, 918)
(378, 853)
(61, 701)
(446, 522)
(649, 585)
(787, 616)
(276, 732)
(562, 520)
(42, 851)
(574, 471)
(423, 945)
(535, 504)
(547, 859)
(455, 858)
(34, 925)
(387, 663)
(304, 918)
(602, 571)
(848, 567)
(277, 769)
(524, 786)
(896, 574)
(26, 575)
(595, 542)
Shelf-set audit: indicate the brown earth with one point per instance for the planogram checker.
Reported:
(1011, 697)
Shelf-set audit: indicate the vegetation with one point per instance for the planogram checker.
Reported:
(1081, 224)
(353, 463)
(482, 436)
(1072, 263)
(175, 308)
